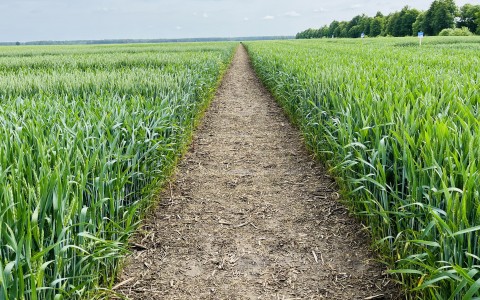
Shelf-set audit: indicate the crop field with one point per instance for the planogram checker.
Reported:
(87, 134)
(398, 124)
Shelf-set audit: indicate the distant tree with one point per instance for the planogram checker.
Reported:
(392, 25)
(309, 34)
(427, 24)
(304, 34)
(321, 32)
(17, 43)
(400, 23)
(366, 25)
(440, 15)
(408, 16)
(332, 28)
(355, 31)
(354, 22)
(341, 30)
(419, 24)
(384, 27)
(468, 17)
(478, 23)
(357, 25)
(376, 26)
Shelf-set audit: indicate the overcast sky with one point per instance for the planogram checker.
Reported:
(27, 20)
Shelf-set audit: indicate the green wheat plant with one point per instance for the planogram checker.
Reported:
(87, 135)
(398, 124)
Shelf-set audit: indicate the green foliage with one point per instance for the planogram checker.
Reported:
(419, 24)
(333, 28)
(399, 127)
(441, 15)
(376, 26)
(309, 34)
(478, 22)
(86, 135)
(456, 32)
(353, 29)
(407, 18)
(468, 17)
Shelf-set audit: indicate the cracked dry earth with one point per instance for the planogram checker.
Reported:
(251, 215)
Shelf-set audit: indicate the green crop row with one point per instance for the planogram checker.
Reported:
(87, 134)
(399, 126)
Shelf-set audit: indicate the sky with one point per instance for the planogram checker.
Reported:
(34, 20)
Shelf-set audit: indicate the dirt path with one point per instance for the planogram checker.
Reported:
(250, 215)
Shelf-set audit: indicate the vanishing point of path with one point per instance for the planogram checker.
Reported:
(251, 215)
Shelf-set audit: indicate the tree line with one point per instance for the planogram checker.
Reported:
(442, 15)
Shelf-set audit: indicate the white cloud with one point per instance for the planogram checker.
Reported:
(320, 10)
(98, 10)
(268, 17)
(205, 15)
(246, 19)
(292, 14)
(179, 27)
(356, 6)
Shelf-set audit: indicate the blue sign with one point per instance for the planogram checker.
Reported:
(420, 34)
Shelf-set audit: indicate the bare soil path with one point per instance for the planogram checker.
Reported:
(251, 215)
